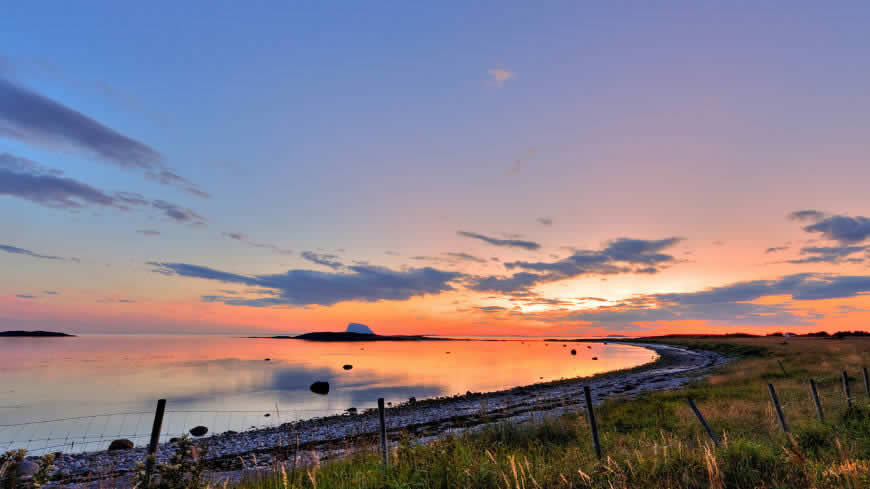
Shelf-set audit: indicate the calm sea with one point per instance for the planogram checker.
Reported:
(226, 383)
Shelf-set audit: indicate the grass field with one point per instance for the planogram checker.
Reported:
(656, 441)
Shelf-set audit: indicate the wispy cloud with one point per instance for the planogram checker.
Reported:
(148, 232)
(326, 260)
(546, 221)
(28, 180)
(512, 243)
(35, 119)
(501, 75)
(242, 237)
(21, 251)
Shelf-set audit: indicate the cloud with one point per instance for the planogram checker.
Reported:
(330, 261)
(500, 76)
(35, 119)
(776, 249)
(49, 292)
(616, 257)
(177, 213)
(807, 215)
(244, 239)
(363, 283)
(25, 296)
(844, 229)
(28, 180)
(148, 232)
(546, 221)
(464, 256)
(830, 254)
(22, 251)
(513, 243)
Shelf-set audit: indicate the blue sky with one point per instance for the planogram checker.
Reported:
(383, 129)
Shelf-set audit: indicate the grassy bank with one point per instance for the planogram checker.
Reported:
(656, 441)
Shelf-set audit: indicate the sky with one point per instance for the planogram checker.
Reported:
(494, 168)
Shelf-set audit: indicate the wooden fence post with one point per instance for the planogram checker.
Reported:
(782, 367)
(778, 407)
(846, 389)
(383, 432)
(866, 382)
(703, 422)
(818, 404)
(590, 412)
(155, 441)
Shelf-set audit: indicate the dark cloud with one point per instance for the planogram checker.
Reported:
(26, 179)
(830, 254)
(330, 261)
(22, 251)
(25, 296)
(731, 304)
(490, 309)
(32, 118)
(49, 292)
(546, 221)
(616, 257)
(513, 243)
(35, 119)
(306, 287)
(465, 256)
(844, 229)
(776, 249)
(244, 239)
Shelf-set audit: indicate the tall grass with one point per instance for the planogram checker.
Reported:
(654, 441)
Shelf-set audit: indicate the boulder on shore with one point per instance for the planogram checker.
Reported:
(26, 468)
(198, 431)
(122, 444)
(320, 387)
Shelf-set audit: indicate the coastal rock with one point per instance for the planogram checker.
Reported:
(122, 444)
(358, 328)
(320, 387)
(595, 358)
(26, 468)
(198, 431)
(347, 367)
(573, 352)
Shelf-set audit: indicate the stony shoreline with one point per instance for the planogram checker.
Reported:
(312, 440)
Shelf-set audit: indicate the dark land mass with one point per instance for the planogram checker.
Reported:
(332, 336)
(33, 334)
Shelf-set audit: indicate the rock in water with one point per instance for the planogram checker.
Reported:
(198, 431)
(595, 358)
(359, 328)
(320, 387)
(573, 352)
(122, 444)
(347, 367)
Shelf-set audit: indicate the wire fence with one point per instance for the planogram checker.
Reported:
(96, 432)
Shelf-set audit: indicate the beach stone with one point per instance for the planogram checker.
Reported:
(320, 387)
(347, 367)
(122, 444)
(26, 468)
(198, 431)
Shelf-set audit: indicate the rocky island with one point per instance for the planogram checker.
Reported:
(34, 334)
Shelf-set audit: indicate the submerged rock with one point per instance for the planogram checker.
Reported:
(122, 444)
(198, 431)
(320, 387)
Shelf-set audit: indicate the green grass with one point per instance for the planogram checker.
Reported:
(654, 441)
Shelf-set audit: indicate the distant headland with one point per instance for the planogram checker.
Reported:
(34, 334)
(354, 332)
